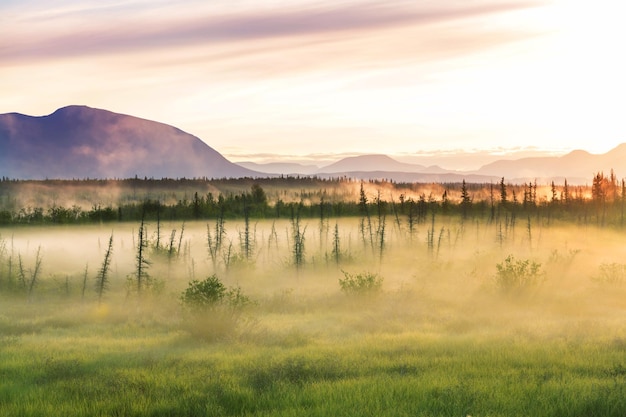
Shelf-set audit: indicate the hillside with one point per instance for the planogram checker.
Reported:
(83, 142)
(369, 163)
(577, 166)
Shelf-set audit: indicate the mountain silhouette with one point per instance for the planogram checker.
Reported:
(578, 166)
(83, 142)
(370, 163)
(281, 168)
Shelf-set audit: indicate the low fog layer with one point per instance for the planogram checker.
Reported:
(442, 277)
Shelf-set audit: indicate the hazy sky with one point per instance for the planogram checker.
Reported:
(322, 77)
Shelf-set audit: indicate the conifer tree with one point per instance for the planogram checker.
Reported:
(466, 201)
(102, 280)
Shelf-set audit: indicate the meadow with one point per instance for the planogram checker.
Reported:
(363, 315)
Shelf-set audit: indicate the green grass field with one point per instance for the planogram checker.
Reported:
(441, 338)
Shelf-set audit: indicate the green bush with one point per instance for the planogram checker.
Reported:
(210, 310)
(517, 276)
(361, 284)
(203, 295)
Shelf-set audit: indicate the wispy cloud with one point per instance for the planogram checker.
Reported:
(308, 76)
(114, 33)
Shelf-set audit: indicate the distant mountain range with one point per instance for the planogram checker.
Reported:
(83, 142)
(578, 167)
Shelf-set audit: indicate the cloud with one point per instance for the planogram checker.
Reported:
(118, 33)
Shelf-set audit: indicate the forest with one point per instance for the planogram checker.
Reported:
(42, 202)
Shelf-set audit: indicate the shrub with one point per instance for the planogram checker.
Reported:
(210, 310)
(611, 274)
(203, 295)
(361, 284)
(515, 276)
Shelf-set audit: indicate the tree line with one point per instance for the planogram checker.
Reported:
(603, 203)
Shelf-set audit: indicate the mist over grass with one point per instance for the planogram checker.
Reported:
(439, 337)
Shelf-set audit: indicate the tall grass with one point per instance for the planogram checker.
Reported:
(92, 367)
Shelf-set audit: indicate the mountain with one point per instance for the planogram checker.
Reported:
(408, 177)
(578, 166)
(83, 142)
(286, 168)
(369, 163)
(359, 167)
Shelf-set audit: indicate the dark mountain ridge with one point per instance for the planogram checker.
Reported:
(83, 142)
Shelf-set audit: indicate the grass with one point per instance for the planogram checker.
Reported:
(403, 376)
(111, 360)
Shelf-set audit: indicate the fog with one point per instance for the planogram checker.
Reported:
(444, 281)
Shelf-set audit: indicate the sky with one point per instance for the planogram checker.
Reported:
(268, 80)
